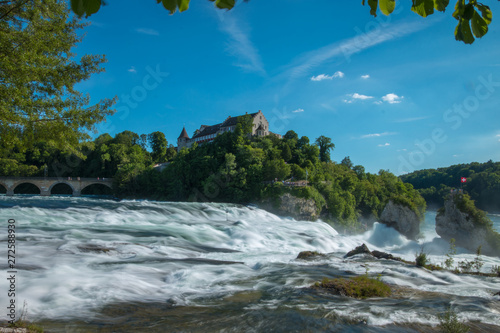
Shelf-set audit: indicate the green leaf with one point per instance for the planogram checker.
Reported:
(225, 4)
(77, 7)
(463, 32)
(468, 12)
(387, 6)
(458, 32)
(87, 7)
(183, 5)
(479, 25)
(423, 7)
(459, 10)
(170, 5)
(440, 5)
(92, 6)
(486, 12)
(373, 7)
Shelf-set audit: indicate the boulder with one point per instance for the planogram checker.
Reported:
(401, 218)
(451, 222)
(362, 249)
(304, 255)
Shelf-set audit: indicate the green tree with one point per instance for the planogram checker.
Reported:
(286, 152)
(347, 162)
(325, 145)
(158, 144)
(38, 74)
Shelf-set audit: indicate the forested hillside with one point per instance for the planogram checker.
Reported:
(483, 183)
(233, 168)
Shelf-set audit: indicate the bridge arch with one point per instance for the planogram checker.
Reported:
(98, 183)
(96, 188)
(22, 182)
(64, 183)
(3, 188)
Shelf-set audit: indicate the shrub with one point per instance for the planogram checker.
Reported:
(478, 261)
(421, 258)
(448, 263)
(448, 323)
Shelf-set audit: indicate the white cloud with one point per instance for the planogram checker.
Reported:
(392, 98)
(365, 77)
(404, 149)
(355, 97)
(132, 70)
(376, 135)
(322, 77)
(359, 96)
(338, 74)
(298, 110)
(385, 144)
(147, 31)
(240, 45)
(498, 136)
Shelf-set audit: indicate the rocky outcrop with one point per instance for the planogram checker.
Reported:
(298, 208)
(451, 222)
(401, 218)
(363, 249)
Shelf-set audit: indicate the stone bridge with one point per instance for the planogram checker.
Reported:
(45, 184)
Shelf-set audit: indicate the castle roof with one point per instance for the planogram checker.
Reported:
(208, 130)
(183, 134)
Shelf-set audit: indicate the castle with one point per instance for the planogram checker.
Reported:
(209, 133)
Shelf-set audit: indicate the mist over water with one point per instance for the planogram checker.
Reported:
(80, 259)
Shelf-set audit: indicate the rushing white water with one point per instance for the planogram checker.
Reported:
(75, 256)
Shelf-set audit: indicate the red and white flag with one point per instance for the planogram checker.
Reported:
(463, 180)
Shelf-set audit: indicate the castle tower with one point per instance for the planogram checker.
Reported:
(182, 140)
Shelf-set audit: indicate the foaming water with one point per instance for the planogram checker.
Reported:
(80, 259)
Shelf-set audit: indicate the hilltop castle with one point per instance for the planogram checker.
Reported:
(208, 133)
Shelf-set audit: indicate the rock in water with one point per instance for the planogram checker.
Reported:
(461, 220)
(358, 250)
(401, 218)
(309, 255)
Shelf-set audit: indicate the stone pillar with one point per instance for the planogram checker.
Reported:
(76, 193)
(10, 192)
(44, 191)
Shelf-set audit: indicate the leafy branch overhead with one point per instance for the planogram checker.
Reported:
(473, 17)
(89, 7)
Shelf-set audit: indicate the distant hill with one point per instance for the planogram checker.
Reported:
(483, 183)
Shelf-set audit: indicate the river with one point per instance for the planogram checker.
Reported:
(86, 264)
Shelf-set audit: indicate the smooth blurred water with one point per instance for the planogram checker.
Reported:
(92, 263)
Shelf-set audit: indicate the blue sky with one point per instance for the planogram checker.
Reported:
(395, 92)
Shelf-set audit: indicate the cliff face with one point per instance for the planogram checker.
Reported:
(453, 223)
(298, 208)
(401, 218)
